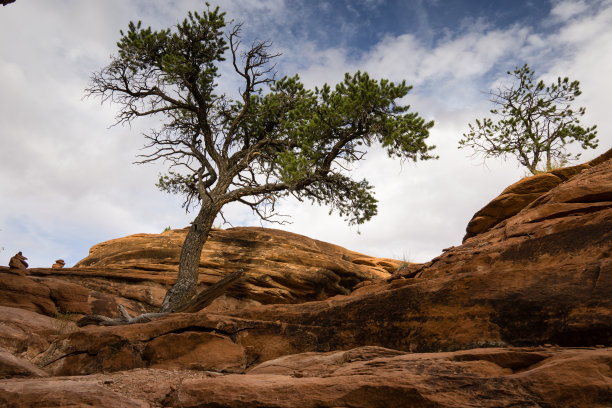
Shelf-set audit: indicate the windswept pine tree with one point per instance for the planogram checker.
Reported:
(275, 139)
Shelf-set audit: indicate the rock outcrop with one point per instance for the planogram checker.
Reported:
(52, 296)
(372, 377)
(519, 315)
(59, 264)
(541, 277)
(18, 264)
(281, 267)
(13, 367)
(62, 393)
(26, 333)
(520, 194)
(361, 377)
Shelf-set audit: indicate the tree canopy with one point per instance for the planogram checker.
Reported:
(271, 139)
(535, 123)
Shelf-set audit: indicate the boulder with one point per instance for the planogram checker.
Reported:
(59, 264)
(18, 264)
(520, 194)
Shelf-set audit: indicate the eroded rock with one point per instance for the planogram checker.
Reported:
(281, 267)
(59, 264)
(18, 264)
(61, 393)
(23, 332)
(13, 367)
(520, 194)
(370, 377)
(542, 277)
(53, 297)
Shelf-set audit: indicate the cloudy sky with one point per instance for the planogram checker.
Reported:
(67, 180)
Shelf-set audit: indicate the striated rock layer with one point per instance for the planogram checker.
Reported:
(520, 194)
(360, 377)
(281, 267)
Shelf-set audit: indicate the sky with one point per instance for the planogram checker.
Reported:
(67, 178)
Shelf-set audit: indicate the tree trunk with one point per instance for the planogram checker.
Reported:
(185, 287)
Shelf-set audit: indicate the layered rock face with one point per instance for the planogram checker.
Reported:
(516, 197)
(281, 267)
(520, 315)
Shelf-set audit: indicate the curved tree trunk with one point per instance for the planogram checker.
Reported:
(181, 297)
(185, 287)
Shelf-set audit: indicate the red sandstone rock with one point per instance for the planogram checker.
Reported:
(18, 264)
(182, 341)
(516, 197)
(369, 377)
(61, 393)
(542, 276)
(139, 292)
(59, 264)
(51, 296)
(281, 267)
(365, 377)
(13, 367)
(23, 332)
(24, 293)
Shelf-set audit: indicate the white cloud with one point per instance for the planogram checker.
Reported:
(566, 9)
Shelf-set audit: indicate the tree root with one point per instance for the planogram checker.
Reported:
(197, 303)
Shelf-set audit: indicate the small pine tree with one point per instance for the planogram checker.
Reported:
(535, 123)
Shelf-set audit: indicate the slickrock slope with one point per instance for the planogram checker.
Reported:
(516, 197)
(543, 276)
(281, 267)
(362, 377)
(372, 377)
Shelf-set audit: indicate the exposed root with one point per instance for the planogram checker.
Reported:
(197, 303)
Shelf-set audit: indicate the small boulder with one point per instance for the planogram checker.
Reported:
(59, 264)
(18, 264)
